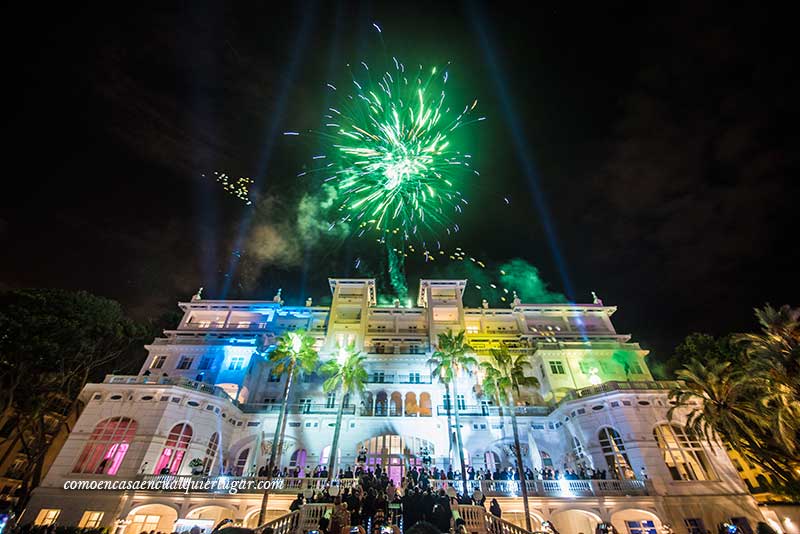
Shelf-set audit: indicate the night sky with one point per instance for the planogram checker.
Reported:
(663, 145)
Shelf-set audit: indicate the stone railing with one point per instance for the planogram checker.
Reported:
(303, 520)
(548, 488)
(607, 387)
(491, 488)
(478, 521)
(285, 524)
(180, 382)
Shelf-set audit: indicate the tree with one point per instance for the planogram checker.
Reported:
(504, 374)
(449, 360)
(294, 356)
(346, 374)
(53, 341)
(749, 398)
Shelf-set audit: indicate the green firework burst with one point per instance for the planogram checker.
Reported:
(391, 155)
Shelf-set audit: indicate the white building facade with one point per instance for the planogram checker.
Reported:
(206, 395)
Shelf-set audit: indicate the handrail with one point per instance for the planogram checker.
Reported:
(285, 524)
(302, 520)
(478, 521)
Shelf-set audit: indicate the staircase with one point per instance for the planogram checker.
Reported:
(302, 520)
(477, 521)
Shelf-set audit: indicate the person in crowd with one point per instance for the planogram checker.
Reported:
(495, 510)
(297, 503)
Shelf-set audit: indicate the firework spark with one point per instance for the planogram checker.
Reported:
(239, 187)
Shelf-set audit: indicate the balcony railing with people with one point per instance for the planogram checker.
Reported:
(490, 488)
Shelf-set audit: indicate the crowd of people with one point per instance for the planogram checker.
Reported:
(375, 504)
(509, 473)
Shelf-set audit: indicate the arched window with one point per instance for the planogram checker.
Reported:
(211, 453)
(425, 404)
(107, 446)
(683, 453)
(241, 463)
(174, 449)
(614, 451)
(298, 459)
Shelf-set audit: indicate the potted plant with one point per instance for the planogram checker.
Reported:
(196, 466)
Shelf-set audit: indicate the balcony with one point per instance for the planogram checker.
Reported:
(490, 488)
(495, 411)
(398, 379)
(609, 387)
(180, 382)
(310, 409)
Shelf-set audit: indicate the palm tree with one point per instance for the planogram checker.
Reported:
(347, 375)
(504, 374)
(774, 355)
(295, 355)
(720, 400)
(451, 357)
(733, 406)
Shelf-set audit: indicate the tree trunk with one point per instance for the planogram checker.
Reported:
(335, 444)
(449, 408)
(278, 437)
(520, 465)
(458, 440)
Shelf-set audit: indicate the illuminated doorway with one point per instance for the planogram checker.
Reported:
(395, 454)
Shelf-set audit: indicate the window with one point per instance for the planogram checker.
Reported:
(683, 453)
(634, 368)
(446, 401)
(174, 449)
(185, 362)
(556, 367)
(614, 451)
(47, 516)
(330, 399)
(305, 405)
(695, 526)
(158, 362)
(413, 378)
(205, 363)
(237, 362)
(144, 523)
(241, 463)
(577, 449)
(646, 526)
(107, 445)
(211, 453)
(379, 377)
(273, 378)
(585, 367)
(91, 519)
(462, 403)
